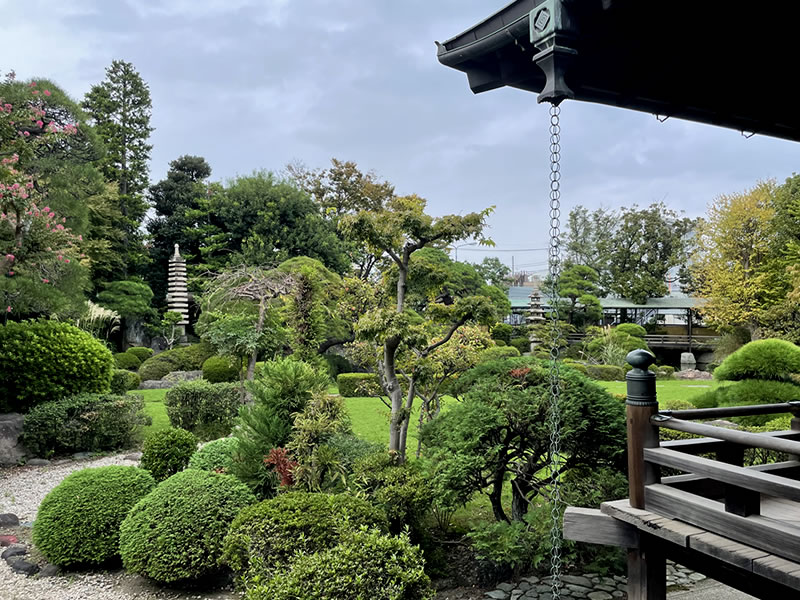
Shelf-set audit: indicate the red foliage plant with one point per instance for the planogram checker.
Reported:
(283, 464)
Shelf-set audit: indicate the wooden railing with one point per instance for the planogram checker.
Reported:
(663, 341)
(752, 505)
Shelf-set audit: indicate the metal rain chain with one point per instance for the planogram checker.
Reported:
(554, 409)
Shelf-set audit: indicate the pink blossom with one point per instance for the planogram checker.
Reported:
(10, 256)
(80, 238)
(11, 272)
(26, 133)
(8, 309)
(32, 84)
(39, 123)
(47, 92)
(46, 209)
(45, 281)
(60, 227)
(63, 219)
(66, 260)
(59, 257)
(51, 215)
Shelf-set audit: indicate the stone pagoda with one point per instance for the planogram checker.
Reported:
(177, 290)
(535, 315)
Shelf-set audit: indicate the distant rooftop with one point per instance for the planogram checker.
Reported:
(519, 296)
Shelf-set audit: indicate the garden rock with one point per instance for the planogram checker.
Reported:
(14, 550)
(9, 520)
(156, 384)
(7, 540)
(19, 565)
(37, 462)
(180, 376)
(12, 452)
(49, 571)
(693, 374)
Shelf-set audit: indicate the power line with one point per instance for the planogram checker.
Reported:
(503, 249)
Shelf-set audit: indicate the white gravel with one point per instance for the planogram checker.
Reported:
(21, 491)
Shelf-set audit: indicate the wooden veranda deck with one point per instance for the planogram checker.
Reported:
(737, 524)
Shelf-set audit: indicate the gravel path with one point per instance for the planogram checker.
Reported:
(21, 491)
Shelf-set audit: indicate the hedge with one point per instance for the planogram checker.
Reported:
(206, 409)
(366, 564)
(220, 369)
(167, 452)
(605, 372)
(125, 360)
(214, 456)
(87, 422)
(42, 361)
(123, 381)
(497, 353)
(762, 359)
(78, 520)
(140, 352)
(353, 385)
(175, 533)
(266, 536)
(185, 358)
(523, 344)
(750, 391)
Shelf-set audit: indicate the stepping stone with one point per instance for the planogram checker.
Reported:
(19, 565)
(14, 550)
(7, 540)
(9, 520)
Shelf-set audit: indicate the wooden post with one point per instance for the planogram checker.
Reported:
(647, 571)
(641, 404)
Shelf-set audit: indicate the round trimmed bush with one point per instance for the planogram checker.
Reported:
(78, 521)
(762, 359)
(497, 353)
(45, 360)
(123, 381)
(366, 564)
(265, 536)
(214, 456)
(522, 344)
(185, 358)
(175, 533)
(127, 361)
(140, 352)
(220, 369)
(206, 409)
(631, 329)
(748, 392)
(168, 451)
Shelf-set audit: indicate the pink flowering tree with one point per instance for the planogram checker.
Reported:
(41, 269)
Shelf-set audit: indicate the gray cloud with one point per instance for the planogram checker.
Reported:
(257, 83)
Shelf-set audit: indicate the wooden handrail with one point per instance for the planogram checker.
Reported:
(732, 411)
(744, 438)
(765, 483)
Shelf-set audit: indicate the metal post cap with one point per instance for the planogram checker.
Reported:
(640, 359)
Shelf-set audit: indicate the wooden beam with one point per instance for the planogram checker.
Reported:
(647, 572)
(747, 479)
(730, 411)
(759, 532)
(704, 486)
(592, 526)
(706, 445)
(745, 438)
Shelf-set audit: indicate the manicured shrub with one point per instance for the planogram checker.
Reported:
(167, 452)
(366, 564)
(123, 381)
(175, 533)
(523, 344)
(350, 448)
(605, 372)
(87, 422)
(399, 489)
(220, 369)
(337, 364)
(497, 353)
(206, 409)
(78, 521)
(631, 329)
(185, 358)
(124, 360)
(354, 385)
(502, 332)
(675, 404)
(46, 360)
(140, 352)
(214, 456)
(287, 383)
(762, 359)
(750, 391)
(264, 537)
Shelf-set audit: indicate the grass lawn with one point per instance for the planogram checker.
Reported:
(670, 389)
(154, 408)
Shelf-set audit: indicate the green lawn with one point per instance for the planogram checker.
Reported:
(670, 389)
(154, 408)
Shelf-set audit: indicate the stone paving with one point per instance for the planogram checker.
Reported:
(586, 586)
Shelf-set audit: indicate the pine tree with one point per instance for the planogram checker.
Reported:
(120, 107)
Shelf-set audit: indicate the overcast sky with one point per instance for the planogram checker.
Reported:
(255, 84)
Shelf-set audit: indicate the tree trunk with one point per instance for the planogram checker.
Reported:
(251, 365)
(496, 495)
(406, 418)
(393, 389)
(519, 502)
